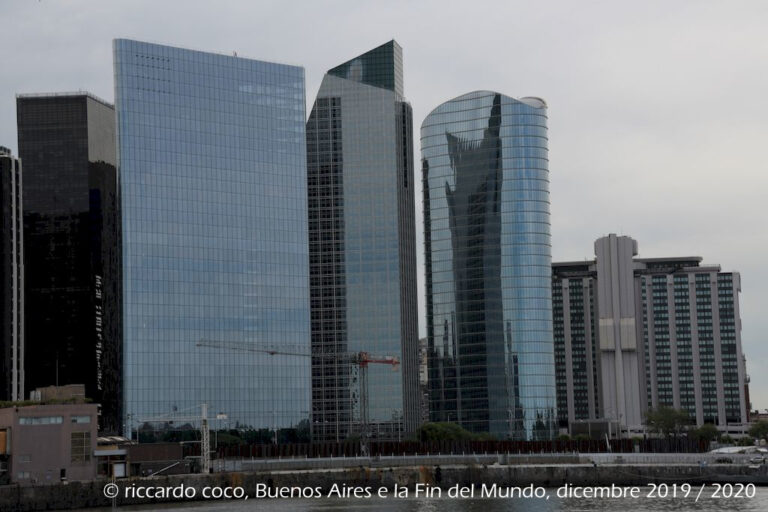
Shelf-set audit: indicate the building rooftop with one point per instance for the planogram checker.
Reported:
(72, 94)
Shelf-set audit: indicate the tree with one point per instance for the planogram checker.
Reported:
(707, 432)
(445, 431)
(725, 439)
(303, 432)
(745, 441)
(666, 420)
(759, 430)
(225, 438)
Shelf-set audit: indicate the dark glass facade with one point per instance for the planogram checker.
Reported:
(362, 247)
(488, 257)
(214, 201)
(71, 233)
(11, 278)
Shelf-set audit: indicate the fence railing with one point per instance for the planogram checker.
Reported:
(413, 448)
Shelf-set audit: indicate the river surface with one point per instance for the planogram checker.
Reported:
(705, 503)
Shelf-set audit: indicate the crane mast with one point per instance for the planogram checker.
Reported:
(360, 359)
(205, 433)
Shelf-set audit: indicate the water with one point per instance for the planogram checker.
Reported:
(705, 504)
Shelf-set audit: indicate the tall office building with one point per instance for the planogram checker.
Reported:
(362, 247)
(213, 185)
(488, 261)
(71, 232)
(638, 333)
(11, 278)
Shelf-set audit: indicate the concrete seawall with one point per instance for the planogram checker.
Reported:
(91, 494)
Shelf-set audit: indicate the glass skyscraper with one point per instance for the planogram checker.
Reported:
(71, 238)
(488, 257)
(362, 248)
(11, 278)
(212, 164)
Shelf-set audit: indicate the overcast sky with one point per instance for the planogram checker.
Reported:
(658, 111)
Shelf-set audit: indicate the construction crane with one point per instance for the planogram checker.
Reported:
(359, 359)
(205, 434)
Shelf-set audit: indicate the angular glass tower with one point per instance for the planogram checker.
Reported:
(488, 257)
(362, 247)
(213, 180)
(71, 240)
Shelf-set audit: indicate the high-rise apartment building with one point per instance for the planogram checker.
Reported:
(213, 184)
(11, 278)
(71, 233)
(362, 247)
(488, 262)
(639, 333)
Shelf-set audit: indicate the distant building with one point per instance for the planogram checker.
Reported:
(638, 333)
(48, 443)
(362, 247)
(119, 457)
(11, 278)
(213, 191)
(488, 265)
(69, 392)
(424, 380)
(71, 234)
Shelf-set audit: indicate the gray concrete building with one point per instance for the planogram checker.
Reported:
(638, 333)
(11, 278)
(48, 443)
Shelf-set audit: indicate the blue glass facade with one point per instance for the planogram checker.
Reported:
(212, 165)
(488, 259)
(362, 248)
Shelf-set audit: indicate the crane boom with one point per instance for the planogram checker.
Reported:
(247, 348)
(360, 359)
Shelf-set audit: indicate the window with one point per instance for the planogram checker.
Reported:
(41, 420)
(81, 419)
(81, 447)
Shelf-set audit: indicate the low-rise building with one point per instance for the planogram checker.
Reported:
(48, 443)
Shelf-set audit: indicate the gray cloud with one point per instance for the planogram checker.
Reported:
(657, 109)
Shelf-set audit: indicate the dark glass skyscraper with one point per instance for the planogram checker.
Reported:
(71, 232)
(11, 278)
(362, 247)
(488, 257)
(214, 199)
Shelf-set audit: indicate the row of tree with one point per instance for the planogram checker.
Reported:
(665, 421)
(671, 422)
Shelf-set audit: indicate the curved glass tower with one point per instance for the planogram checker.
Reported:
(488, 259)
